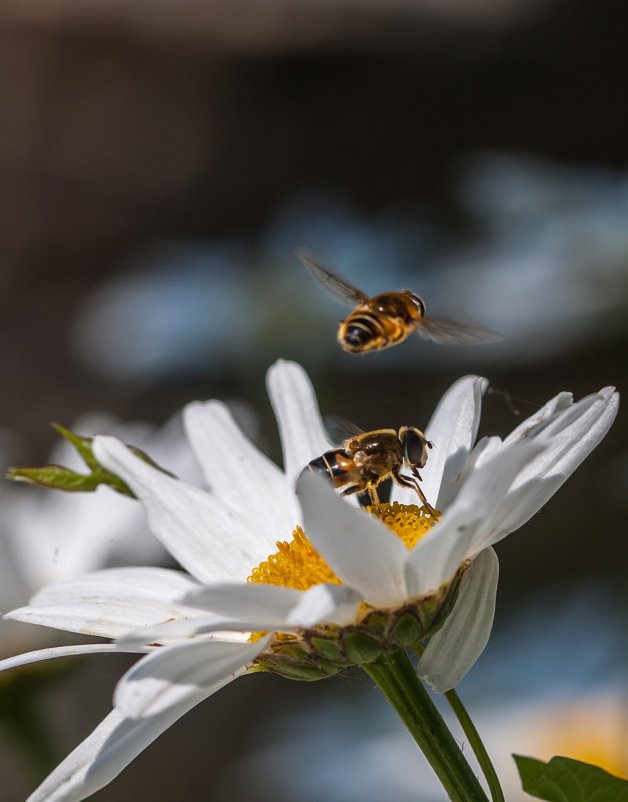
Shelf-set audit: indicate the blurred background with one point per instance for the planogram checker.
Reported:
(160, 161)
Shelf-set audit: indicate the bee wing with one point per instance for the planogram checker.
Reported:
(445, 332)
(337, 286)
(340, 429)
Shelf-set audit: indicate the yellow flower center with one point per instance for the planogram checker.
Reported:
(297, 564)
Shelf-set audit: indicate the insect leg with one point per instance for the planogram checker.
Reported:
(412, 483)
(419, 490)
(372, 491)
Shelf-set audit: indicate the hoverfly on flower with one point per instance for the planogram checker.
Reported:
(368, 458)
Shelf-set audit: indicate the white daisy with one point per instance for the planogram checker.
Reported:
(358, 584)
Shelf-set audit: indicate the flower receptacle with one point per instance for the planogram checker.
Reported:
(326, 650)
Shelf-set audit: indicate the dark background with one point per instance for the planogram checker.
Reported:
(127, 124)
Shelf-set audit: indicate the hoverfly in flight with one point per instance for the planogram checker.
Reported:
(390, 318)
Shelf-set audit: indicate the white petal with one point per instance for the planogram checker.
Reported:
(569, 438)
(166, 677)
(111, 602)
(360, 549)
(64, 651)
(169, 447)
(237, 472)
(248, 608)
(170, 633)
(484, 449)
(453, 650)
(303, 435)
(333, 604)
(452, 429)
(210, 540)
(107, 751)
(139, 583)
(532, 425)
(244, 600)
(437, 556)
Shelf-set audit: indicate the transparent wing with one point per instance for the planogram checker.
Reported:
(446, 332)
(340, 429)
(337, 286)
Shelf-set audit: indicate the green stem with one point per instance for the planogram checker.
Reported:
(474, 739)
(473, 736)
(395, 676)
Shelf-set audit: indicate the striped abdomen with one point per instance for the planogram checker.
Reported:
(380, 322)
(337, 466)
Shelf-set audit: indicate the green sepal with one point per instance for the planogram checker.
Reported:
(407, 630)
(300, 672)
(327, 648)
(306, 668)
(429, 608)
(567, 780)
(292, 649)
(378, 623)
(361, 649)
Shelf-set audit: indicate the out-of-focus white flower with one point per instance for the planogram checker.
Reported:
(46, 537)
(349, 590)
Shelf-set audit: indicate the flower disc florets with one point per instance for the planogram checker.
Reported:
(325, 650)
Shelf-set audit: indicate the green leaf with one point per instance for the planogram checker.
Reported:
(60, 478)
(567, 780)
(82, 444)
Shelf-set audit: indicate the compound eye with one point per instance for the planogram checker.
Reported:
(419, 303)
(414, 448)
